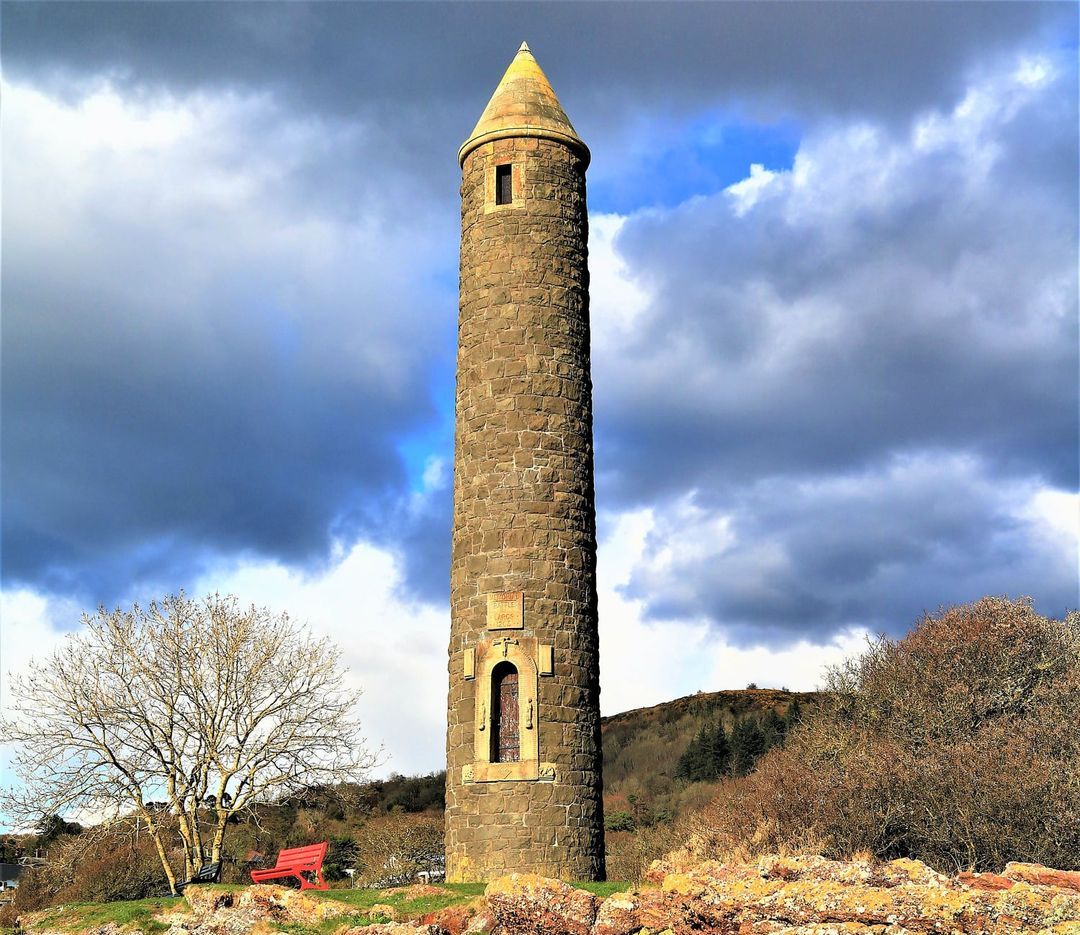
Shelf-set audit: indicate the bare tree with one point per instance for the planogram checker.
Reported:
(203, 705)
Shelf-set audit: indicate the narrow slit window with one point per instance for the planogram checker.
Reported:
(504, 192)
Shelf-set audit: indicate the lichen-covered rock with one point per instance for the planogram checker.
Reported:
(659, 869)
(527, 904)
(796, 895)
(297, 906)
(202, 900)
(1038, 875)
(617, 915)
(985, 881)
(251, 910)
(809, 895)
(483, 923)
(453, 920)
(384, 911)
(391, 928)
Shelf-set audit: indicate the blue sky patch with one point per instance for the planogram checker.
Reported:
(666, 164)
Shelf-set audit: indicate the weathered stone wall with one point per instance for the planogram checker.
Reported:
(523, 508)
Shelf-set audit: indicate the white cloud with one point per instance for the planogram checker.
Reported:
(863, 369)
(215, 334)
(648, 661)
(616, 299)
(1058, 513)
(745, 194)
(31, 627)
(395, 651)
(1034, 71)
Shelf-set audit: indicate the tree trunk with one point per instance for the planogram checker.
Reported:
(219, 835)
(162, 856)
(190, 868)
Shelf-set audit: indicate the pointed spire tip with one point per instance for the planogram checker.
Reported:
(523, 105)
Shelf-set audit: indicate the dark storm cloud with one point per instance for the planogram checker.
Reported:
(421, 72)
(198, 364)
(902, 294)
(422, 542)
(805, 560)
(215, 347)
(887, 294)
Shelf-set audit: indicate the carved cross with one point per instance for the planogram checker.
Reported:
(505, 643)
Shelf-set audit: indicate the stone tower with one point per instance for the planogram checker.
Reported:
(523, 778)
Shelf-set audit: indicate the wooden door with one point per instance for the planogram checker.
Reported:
(506, 739)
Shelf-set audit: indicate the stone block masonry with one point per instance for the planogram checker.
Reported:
(524, 778)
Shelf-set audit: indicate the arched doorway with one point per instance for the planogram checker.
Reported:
(505, 723)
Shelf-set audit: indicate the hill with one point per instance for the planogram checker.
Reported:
(643, 747)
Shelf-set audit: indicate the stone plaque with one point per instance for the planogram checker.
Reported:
(506, 610)
(545, 659)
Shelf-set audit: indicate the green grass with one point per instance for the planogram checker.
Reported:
(451, 895)
(605, 889)
(137, 913)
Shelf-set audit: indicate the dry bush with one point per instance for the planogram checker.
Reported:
(631, 846)
(393, 849)
(100, 866)
(957, 745)
(629, 853)
(779, 808)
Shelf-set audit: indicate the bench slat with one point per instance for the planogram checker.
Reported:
(295, 861)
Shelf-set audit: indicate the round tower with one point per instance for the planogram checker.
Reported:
(523, 779)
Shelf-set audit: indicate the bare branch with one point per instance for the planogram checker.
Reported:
(177, 702)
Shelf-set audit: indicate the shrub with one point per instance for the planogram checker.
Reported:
(629, 853)
(956, 745)
(618, 821)
(103, 866)
(393, 849)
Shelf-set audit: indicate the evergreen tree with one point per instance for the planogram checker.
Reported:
(716, 753)
(747, 745)
(773, 728)
(52, 827)
(691, 763)
(707, 756)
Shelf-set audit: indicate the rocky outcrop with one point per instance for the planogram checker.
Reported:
(210, 911)
(1038, 875)
(803, 895)
(527, 904)
(815, 896)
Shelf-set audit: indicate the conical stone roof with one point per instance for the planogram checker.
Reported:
(523, 105)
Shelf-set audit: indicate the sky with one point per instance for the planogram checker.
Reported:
(834, 306)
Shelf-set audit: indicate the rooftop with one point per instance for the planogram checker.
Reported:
(523, 104)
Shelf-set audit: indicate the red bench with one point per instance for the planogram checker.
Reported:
(297, 862)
